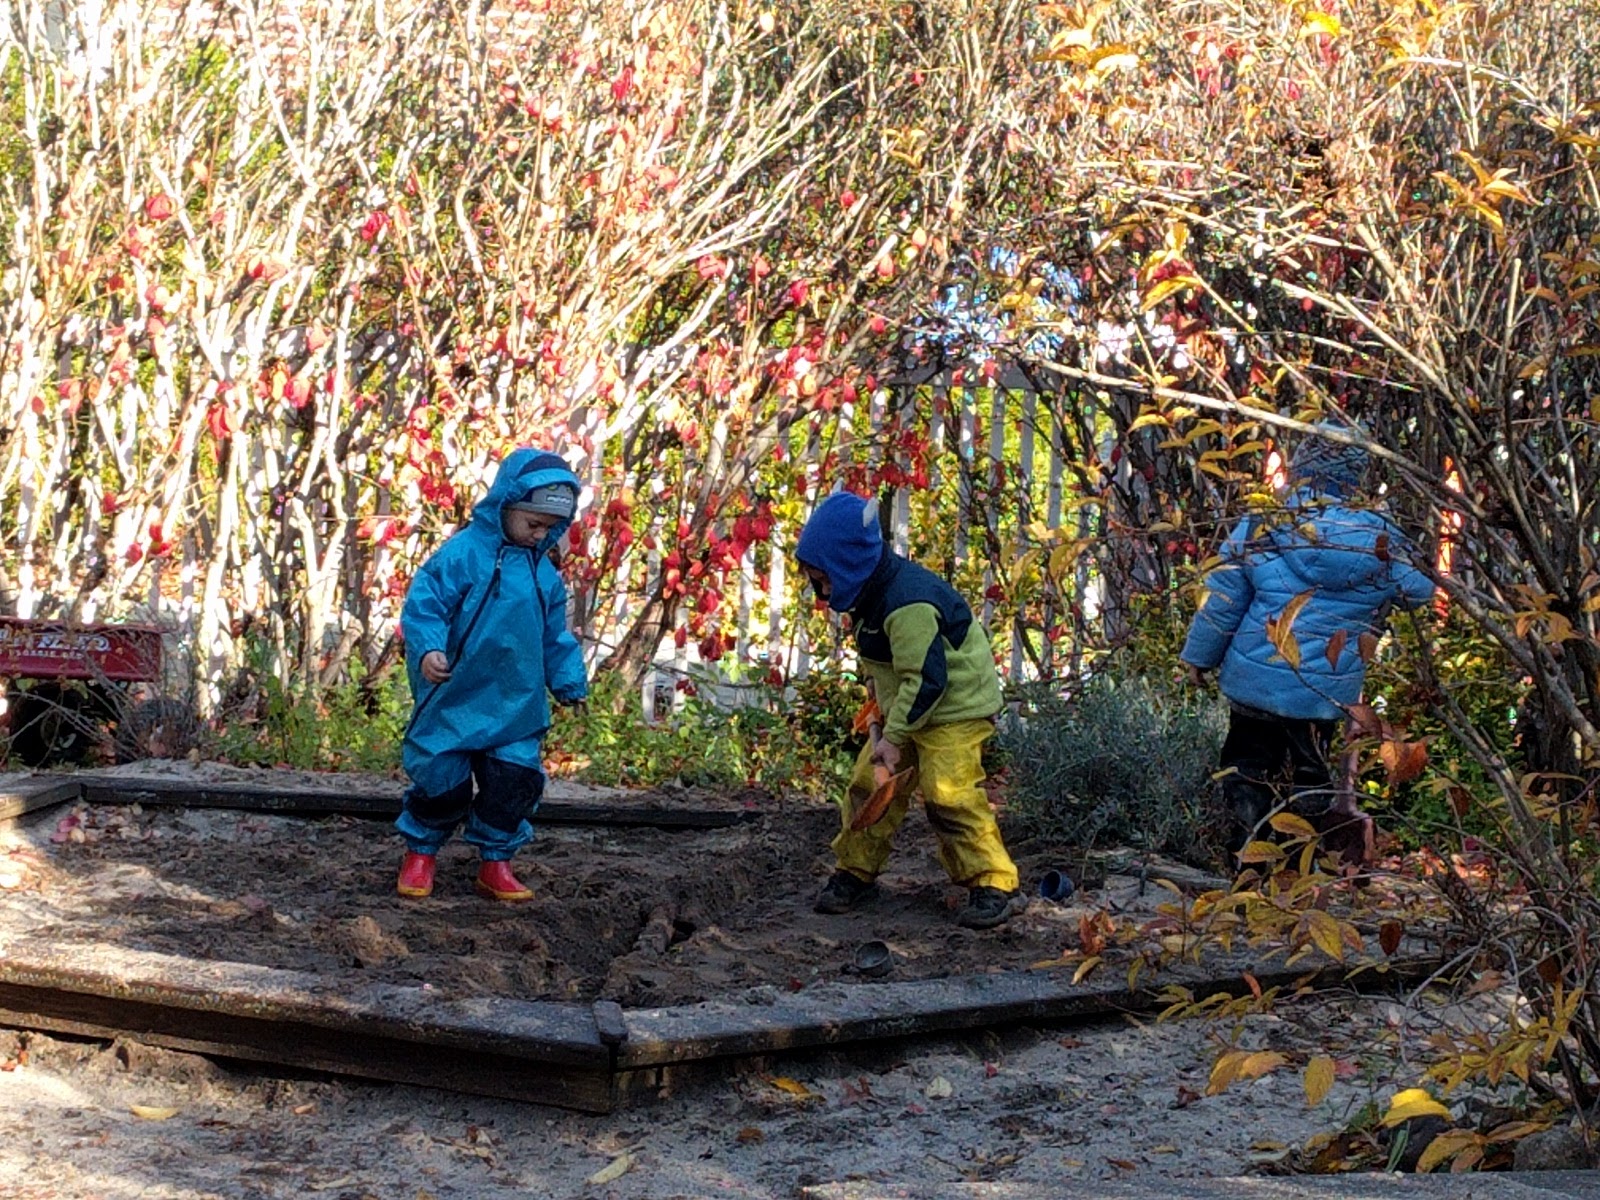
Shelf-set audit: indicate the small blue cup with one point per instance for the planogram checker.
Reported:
(1057, 886)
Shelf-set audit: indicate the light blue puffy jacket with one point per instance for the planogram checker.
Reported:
(1354, 563)
(499, 614)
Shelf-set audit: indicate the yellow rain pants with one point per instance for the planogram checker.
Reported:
(948, 760)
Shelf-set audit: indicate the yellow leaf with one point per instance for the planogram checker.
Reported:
(1118, 57)
(1446, 1146)
(1081, 39)
(1149, 418)
(1225, 1070)
(1260, 1063)
(1257, 852)
(146, 1112)
(1166, 288)
(1290, 825)
(1319, 1078)
(1085, 967)
(614, 1170)
(1413, 1102)
(1512, 1131)
(793, 1086)
(1325, 934)
(1322, 23)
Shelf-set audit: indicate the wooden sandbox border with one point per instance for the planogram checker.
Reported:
(591, 1057)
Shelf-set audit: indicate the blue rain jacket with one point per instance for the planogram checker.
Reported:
(499, 613)
(1354, 563)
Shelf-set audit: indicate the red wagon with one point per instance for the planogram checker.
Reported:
(68, 685)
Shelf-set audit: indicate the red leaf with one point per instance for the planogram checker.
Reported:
(623, 84)
(1389, 936)
(159, 207)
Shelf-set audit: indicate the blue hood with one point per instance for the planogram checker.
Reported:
(843, 541)
(520, 472)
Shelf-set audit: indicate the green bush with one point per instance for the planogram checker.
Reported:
(356, 725)
(772, 744)
(1123, 761)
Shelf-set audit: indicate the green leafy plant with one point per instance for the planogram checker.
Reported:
(1075, 778)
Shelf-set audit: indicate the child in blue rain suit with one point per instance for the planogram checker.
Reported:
(1352, 565)
(485, 626)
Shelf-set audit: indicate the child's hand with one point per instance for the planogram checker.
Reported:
(887, 753)
(435, 666)
(1197, 677)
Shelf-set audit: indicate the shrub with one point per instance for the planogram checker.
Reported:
(771, 744)
(1122, 761)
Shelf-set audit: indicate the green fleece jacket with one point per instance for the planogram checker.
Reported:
(927, 656)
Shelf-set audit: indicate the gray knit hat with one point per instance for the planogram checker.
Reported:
(551, 500)
(1324, 465)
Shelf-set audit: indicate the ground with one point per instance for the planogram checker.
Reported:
(646, 917)
(1113, 1101)
(643, 916)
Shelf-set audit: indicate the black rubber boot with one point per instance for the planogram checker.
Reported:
(988, 907)
(844, 892)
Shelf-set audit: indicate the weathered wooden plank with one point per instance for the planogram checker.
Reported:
(837, 1013)
(380, 805)
(35, 792)
(541, 1051)
(561, 1032)
(308, 1047)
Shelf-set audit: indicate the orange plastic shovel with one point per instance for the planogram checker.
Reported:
(886, 786)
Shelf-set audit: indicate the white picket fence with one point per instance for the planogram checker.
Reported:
(994, 446)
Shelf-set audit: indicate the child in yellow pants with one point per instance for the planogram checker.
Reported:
(934, 678)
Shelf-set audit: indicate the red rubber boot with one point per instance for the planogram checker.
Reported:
(416, 875)
(496, 881)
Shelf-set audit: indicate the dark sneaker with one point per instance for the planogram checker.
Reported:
(988, 907)
(844, 892)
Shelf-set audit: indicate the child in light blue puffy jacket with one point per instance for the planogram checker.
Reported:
(485, 626)
(1350, 565)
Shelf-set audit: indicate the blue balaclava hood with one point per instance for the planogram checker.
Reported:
(1329, 468)
(843, 541)
(524, 479)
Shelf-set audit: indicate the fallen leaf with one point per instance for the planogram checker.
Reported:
(939, 1089)
(1069, 1043)
(612, 1171)
(1163, 1149)
(1413, 1102)
(749, 1135)
(990, 1070)
(303, 1110)
(793, 1086)
(1446, 1146)
(1186, 1097)
(146, 1112)
(1318, 1079)
(1123, 1164)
